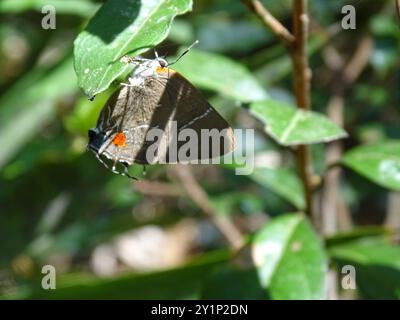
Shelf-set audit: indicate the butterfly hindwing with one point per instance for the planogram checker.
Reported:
(167, 102)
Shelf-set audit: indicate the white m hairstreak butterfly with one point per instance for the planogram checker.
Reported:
(157, 98)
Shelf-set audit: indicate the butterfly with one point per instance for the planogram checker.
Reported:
(159, 103)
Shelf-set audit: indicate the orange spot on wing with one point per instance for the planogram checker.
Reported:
(119, 140)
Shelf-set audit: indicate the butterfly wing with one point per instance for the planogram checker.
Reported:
(167, 103)
(194, 113)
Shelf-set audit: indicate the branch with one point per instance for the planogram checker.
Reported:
(302, 78)
(270, 21)
(359, 60)
(333, 209)
(398, 7)
(296, 45)
(302, 72)
(156, 188)
(193, 189)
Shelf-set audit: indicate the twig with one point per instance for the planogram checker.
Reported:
(333, 208)
(331, 279)
(392, 218)
(296, 45)
(330, 194)
(302, 77)
(359, 60)
(270, 21)
(302, 71)
(193, 189)
(398, 8)
(156, 188)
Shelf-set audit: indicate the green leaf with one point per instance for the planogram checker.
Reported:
(291, 126)
(179, 283)
(363, 233)
(377, 267)
(121, 27)
(85, 113)
(290, 260)
(23, 115)
(182, 32)
(279, 64)
(283, 182)
(234, 36)
(230, 202)
(233, 282)
(218, 73)
(377, 162)
(78, 7)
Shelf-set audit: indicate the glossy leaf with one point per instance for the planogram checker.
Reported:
(136, 27)
(290, 260)
(85, 113)
(19, 122)
(377, 267)
(365, 233)
(378, 162)
(233, 282)
(223, 35)
(231, 202)
(291, 126)
(283, 182)
(179, 283)
(181, 32)
(218, 73)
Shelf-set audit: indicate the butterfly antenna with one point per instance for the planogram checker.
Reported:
(184, 52)
(101, 161)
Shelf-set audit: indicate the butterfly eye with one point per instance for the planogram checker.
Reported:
(163, 63)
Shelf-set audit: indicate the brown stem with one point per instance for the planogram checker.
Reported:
(330, 194)
(296, 45)
(392, 219)
(398, 7)
(304, 165)
(302, 77)
(359, 60)
(302, 73)
(193, 189)
(334, 212)
(156, 188)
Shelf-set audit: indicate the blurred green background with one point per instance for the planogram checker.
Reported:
(110, 237)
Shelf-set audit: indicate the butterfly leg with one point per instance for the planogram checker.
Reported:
(125, 166)
(115, 166)
(126, 173)
(101, 161)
